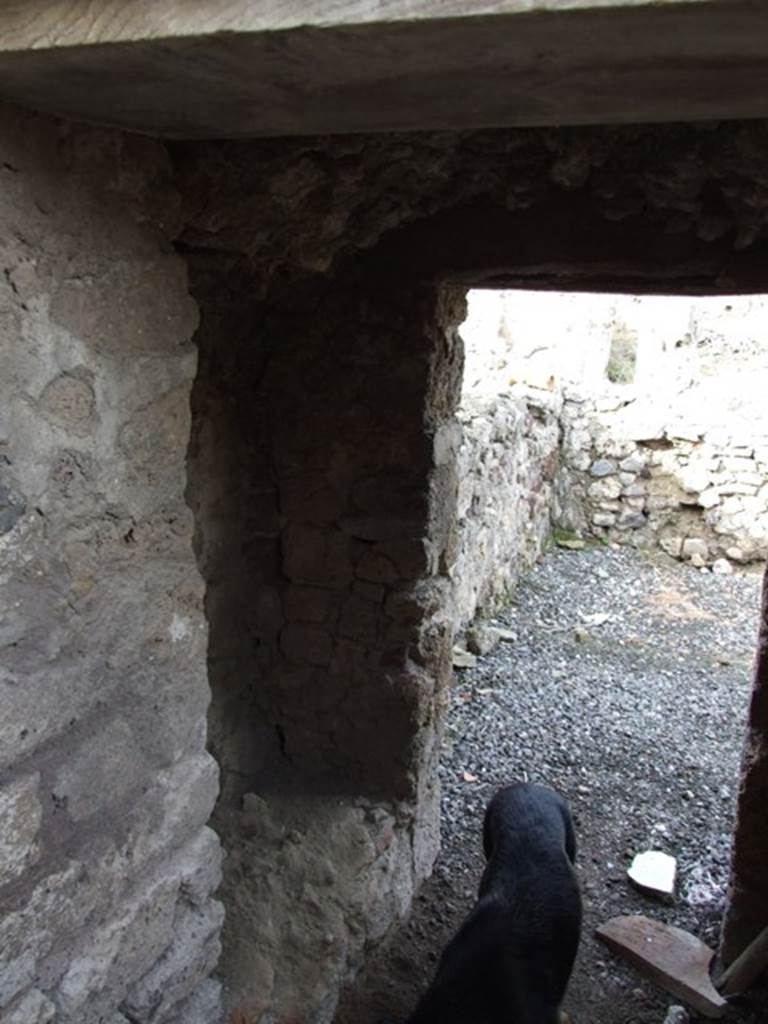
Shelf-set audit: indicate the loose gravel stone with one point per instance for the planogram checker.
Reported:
(638, 721)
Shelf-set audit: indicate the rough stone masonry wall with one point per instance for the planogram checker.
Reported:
(678, 455)
(341, 245)
(322, 239)
(508, 461)
(323, 483)
(106, 863)
(689, 475)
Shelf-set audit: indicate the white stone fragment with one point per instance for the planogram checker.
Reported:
(463, 659)
(735, 554)
(654, 871)
(722, 567)
(695, 546)
(709, 497)
(695, 479)
(676, 1015)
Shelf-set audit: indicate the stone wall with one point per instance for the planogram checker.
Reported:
(678, 455)
(679, 458)
(508, 460)
(106, 863)
(323, 483)
(635, 475)
(322, 477)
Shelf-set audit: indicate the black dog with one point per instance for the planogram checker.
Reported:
(510, 961)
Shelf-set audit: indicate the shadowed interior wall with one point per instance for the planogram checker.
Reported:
(323, 477)
(322, 474)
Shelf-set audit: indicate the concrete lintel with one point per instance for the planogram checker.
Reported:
(235, 68)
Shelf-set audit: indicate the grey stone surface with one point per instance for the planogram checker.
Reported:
(429, 66)
(482, 639)
(32, 1008)
(322, 474)
(103, 689)
(689, 478)
(602, 467)
(504, 500)
(21, 814)
(695, 546)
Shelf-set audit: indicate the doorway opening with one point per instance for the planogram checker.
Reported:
(326, 441)
(609, 655)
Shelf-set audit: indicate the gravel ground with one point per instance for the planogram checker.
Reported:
(626, 689)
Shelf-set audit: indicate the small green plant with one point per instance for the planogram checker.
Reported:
(622, 357)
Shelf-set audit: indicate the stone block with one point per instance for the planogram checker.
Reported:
(694, 479)
(579, 460)
(373, 592)
(603, 518)
(416, 603)
(731, 487)
(17, 967)
(737, 464)
(310, 498)
(311, 604)
(641, 424)
(634, 463)
(735, 554)
(660, 502)
(383, 528)
(204, 1006)
(412, 558)
(627, 479)
(695, 546)
(21, 814)
(673, 545)
(602, 467)
(376, 568)
(306, 643)
(614, 447)
(634, 490)
(359, 619)
(174, 810)
(709, 498)
(110, 957)
(316, 556)
(482, 639)
(106, 767)
(631, 519)
(750, 479)
(722, 567)
(200, 868)
(32, 1008)
(193, 953)
(608, 489)
(69, 401)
